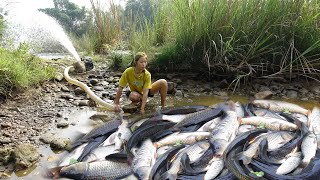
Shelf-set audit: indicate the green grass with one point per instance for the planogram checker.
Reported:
(245, 38)
(19, 70)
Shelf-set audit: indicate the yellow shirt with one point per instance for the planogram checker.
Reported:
(135, 84)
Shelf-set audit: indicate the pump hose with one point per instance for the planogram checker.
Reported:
(87, 90)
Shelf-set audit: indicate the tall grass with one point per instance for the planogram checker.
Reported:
(19, 70)
(107, 25)
(244, 38)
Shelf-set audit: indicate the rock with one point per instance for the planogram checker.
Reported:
(292, 94)
(47, 138)
(179, 93)
(25, 156)
(6, 125)
(63, 124)
(87, 103)
(223, 84)
(130, 108)
(171, 87)
(64, 88)
(5, 140)
(79, 91)
(93, 82)
(6, 155)
(66, 96)
(79, 67)
(98, 88)
(100, 116)
(60, 143)
(58, 77)
(263, 95)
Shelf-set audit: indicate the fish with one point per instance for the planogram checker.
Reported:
(105, 130)
(269, 123)
(96, 170)
(275, 140)
(73, 155)
(183, 110)
(314, 123)
(199, 117)
(210, 125)
(182, 138)
(123, 135)
(308, 148)
(224, 132)
(215, 168)
(100, 153)
(291, 163)
(280, 106)
(144, 160)
(194, 152)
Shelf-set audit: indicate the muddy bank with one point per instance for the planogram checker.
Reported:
(26, 118)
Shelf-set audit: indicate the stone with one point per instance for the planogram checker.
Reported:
(79, 91)
(63, 124)
(25, 156)
(263, 95)
(171, 87)
(130, 108)
(93, 82)
(60, 144)
(58, 77)
(292, 94)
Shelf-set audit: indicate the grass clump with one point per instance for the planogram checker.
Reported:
(19, 70)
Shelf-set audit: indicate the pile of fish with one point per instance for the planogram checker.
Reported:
(264, 139)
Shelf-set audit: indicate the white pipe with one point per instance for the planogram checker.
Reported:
(87, 90)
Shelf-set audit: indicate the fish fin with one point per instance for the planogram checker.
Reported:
(53, 173)
(245, 159)
(168, 176)
(308, 113)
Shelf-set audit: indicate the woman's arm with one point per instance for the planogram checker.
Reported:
(144, 99)
(117, 99)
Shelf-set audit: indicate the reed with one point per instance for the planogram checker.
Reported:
(245, 38)
(107, 25)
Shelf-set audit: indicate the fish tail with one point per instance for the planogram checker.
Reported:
(53, 173)
(245, 159)
(308, 113)
(168, 176)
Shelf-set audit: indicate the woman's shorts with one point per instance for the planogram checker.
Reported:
(149, 94)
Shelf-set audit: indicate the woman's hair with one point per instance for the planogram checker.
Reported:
(137, 57)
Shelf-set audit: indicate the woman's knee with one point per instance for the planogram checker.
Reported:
(163, 83)
(135, 97)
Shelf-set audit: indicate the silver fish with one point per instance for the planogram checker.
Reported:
(144, 160)
(314, 123)
(290, 164)
(100, 153)
(308, 148)
(96, 170)
(269, 123)
(73, 155)
(215, 168)
(182, 138)
(280, 106)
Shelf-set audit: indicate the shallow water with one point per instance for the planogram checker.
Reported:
(83, 124)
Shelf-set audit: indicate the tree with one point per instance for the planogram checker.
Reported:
(73, 18)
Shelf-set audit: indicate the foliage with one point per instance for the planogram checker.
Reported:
(19, 70)
(107, 26)
(242, 38)
(1, 27)
(120, 61)
(135, 9)
(73, 18)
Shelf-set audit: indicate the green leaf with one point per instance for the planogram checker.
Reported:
(72, 161)
(258, 173)
(286, 111)
(262, 125)
(178, 143)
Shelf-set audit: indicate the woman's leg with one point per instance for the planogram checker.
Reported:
(162, 86)
(135, 97)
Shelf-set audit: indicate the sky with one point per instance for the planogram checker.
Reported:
(36, 4)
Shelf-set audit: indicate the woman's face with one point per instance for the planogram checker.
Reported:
(141, 63)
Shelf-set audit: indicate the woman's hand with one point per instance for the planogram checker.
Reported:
(142, 111)
(117, 108)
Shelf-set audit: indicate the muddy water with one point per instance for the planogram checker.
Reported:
(83, 124)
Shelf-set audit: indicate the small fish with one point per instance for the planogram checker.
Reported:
(270, 123)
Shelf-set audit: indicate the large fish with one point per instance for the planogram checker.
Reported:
(199, 117)
(308, 148)
(314, 123)
(269, 123)
(224, 132)
(182, 138)
(292, 162)
(144, 160)
(280, 106)
(96, 170)
(100, 153)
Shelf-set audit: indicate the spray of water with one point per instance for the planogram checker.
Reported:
(37, 29)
